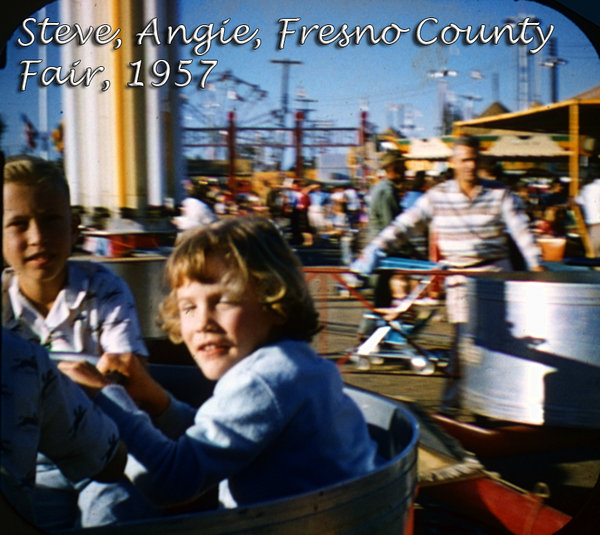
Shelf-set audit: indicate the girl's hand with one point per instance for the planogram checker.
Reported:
(130, 370)
(85, 375)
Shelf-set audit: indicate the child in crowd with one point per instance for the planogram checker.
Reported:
(66, 306)
(42, 410)
(278, 422)
(341, 228)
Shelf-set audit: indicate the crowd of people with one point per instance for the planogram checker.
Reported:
(313, 213)
(348, 214)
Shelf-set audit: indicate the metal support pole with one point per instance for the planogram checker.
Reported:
(575, 139)
(362, 146)
(441, 76)
(231, 181)
(298, 136)
(362, 133)
(285, 80)
(575, 149)
(553, 62)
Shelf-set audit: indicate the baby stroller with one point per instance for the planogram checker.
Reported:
(392, 325)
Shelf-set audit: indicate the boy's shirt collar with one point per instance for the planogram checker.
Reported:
(67, 300)
(77, 286)
(13, 309)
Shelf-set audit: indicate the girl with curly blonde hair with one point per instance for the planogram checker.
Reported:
(278, 422)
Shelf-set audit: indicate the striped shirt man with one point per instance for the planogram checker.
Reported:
(470, 231)
(470, 219)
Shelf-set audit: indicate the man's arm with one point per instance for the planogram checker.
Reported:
(517, 224)
(396, 233)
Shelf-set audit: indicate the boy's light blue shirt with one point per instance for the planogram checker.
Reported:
(278, 424)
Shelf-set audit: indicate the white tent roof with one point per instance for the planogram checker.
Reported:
(428, 149)
(526, 146)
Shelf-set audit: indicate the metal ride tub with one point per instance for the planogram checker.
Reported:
(530, 352)
(378, 503)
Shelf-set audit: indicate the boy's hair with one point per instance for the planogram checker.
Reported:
(35, 172)
(256, 253)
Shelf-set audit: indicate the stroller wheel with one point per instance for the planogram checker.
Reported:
(363, 363)
(376, 361)
(421, 365)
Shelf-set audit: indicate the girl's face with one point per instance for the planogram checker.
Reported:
(218, 326)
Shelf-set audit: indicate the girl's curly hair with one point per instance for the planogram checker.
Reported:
(258, 254)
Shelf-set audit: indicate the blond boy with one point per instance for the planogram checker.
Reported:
(64, 305)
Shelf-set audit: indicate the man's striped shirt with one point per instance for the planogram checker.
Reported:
(468, 232)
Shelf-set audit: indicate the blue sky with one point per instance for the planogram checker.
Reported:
(386, 80)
